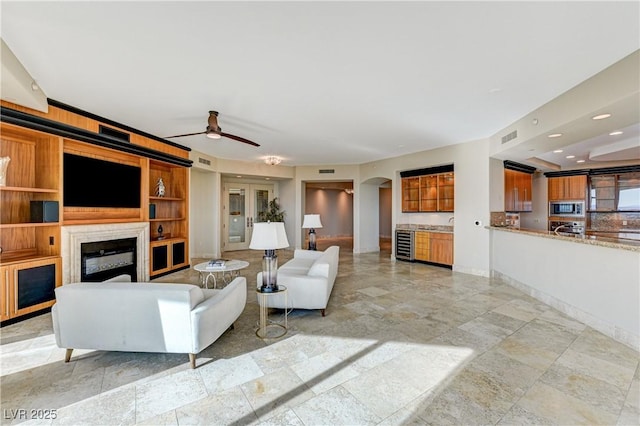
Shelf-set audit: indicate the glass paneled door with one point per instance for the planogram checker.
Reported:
(243, 203)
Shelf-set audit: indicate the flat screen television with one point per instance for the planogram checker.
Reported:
(89, 182)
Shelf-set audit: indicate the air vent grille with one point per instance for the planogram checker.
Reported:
(511, 136)
(326, 171)
(204, 161)
(108, 131)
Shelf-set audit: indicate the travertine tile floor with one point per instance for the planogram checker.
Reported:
(401, 343)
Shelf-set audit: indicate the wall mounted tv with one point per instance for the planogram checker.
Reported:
(89, 182)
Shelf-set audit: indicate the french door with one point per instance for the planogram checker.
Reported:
(241, 207)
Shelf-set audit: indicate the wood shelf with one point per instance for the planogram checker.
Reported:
(154, 198)
(166, 219)
(24, 189)
(27, 225)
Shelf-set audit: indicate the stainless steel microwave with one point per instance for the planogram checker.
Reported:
(566, 208)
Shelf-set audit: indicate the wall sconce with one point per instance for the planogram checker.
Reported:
(272, 160)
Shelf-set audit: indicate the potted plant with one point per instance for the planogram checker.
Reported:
(273, 213)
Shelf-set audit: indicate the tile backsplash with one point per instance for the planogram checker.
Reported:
(613, 221)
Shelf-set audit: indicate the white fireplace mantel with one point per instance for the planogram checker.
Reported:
(74, 236)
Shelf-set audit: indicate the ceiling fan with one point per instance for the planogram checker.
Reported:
(214, 131)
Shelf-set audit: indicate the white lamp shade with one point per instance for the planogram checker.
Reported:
(268, 236)
(311, 221)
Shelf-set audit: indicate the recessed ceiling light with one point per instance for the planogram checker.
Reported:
(601, 116)
(570, 156)
(555, 135)
(616, 133)
(557, 151)
(580, 161)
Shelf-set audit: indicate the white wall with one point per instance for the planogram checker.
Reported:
(472, 181)
(335, 208)
(596, 285)
(204, 214)
(385, 228)
(368, 194)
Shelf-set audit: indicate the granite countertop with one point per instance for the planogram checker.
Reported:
(423, 227)
(622, 240)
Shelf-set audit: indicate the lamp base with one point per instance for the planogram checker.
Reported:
(269, 272)
(312, 239)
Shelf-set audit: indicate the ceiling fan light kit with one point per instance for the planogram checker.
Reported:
(214, 131)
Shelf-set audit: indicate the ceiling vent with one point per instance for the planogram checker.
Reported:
(511, 136)
(326, 171)
(113, 133)
(204, 161)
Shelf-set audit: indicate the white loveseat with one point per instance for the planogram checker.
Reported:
(309, 278)
(145, 317)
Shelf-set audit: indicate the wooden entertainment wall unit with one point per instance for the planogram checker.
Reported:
(30, 251)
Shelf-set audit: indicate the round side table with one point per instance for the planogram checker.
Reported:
(281, 329)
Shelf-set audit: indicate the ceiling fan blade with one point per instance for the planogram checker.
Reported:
(186, 134)
(239, 139)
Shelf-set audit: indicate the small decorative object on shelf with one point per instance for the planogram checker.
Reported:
(4, 164)
(160, 189)
(160, 231)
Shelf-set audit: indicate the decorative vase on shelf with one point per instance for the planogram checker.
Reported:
(160, 231)
(160, 189)
(4, 164)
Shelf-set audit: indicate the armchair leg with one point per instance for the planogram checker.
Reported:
(192, 360)
(67, 355)
(322, 312)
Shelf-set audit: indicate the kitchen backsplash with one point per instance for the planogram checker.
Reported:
(613, 221)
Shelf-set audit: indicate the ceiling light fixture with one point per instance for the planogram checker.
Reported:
(580, 161)
(555, 135)
(616, 133)
(349, 191)
(570, 156)
(272, 160)
(601, 116)
(557, 151)
(213, 135)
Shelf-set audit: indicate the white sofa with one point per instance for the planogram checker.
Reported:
(145, 317)
(309, 278)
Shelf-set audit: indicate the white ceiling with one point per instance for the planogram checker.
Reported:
(317, 82)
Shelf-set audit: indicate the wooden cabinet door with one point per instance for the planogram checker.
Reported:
(428, 193)
(421, 246)
(524, 191)
(576, 187)
(445, 192)
(5, 293)
(410, 194)
(510, 190)
(441, 248)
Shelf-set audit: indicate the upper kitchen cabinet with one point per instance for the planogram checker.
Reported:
(428, 190)
(411, 194)
(567, 188)
(517, 191)
(614, 192)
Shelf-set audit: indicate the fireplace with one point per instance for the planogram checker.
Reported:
(102, 260)
(83, 258)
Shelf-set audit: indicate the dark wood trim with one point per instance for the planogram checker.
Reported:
(512, 165)
(95, 117)
(595, 172)
(427, 171)
(33, 122)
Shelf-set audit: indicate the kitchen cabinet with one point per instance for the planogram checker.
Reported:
(434, 247)
(615, 192)
(517, 191)
(428, 193)
(421, 246)
(411, 194)
(441, 248)
(567, 188)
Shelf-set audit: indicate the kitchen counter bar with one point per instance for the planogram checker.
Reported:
(624, 241)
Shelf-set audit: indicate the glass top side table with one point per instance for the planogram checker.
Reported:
(279, 330)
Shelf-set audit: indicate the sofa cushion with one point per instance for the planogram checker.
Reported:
(297, 266)
(320, 268)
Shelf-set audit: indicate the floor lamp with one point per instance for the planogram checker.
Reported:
(269, 236)
(312, 221)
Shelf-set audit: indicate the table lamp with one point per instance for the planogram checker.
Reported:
(312, 221)
(269, 236)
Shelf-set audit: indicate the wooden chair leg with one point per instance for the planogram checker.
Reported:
(67, 355)
(192, 360)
